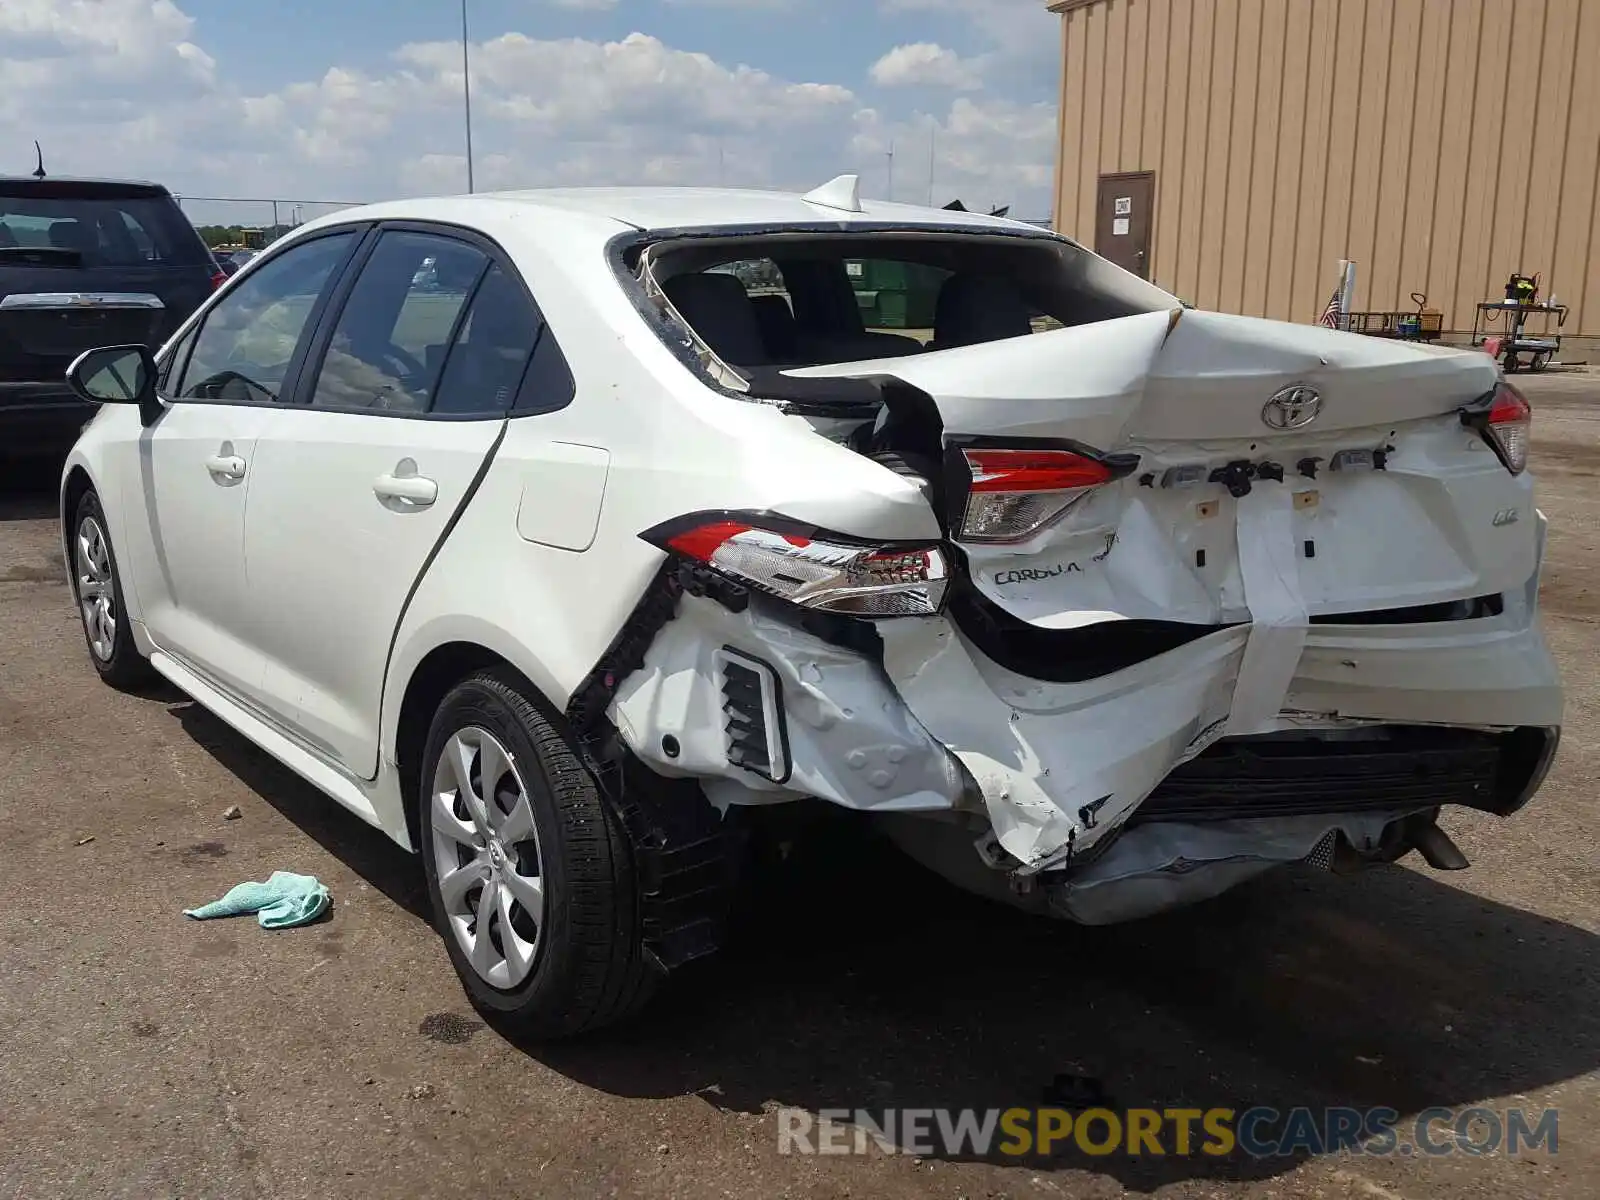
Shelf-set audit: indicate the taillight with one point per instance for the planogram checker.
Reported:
(817, 570)
(218, 278)
(1016, 492)
(1505, 423)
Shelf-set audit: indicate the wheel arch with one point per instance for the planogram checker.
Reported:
(432, 662)
(75, 483)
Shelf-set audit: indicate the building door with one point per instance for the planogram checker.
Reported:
(1123, 219)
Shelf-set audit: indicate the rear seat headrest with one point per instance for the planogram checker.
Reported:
(975, 308)
(718, 308)
(779, 332)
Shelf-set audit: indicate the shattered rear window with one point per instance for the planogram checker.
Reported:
(756, 305)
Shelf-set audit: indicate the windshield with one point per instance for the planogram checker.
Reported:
(100, 232)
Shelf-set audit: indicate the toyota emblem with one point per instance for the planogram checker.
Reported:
(1292, 408)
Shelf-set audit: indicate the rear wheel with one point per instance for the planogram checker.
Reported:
(531, 877)
(97, 587)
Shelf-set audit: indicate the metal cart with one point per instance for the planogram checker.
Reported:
(1423, 325)
(1516, 343)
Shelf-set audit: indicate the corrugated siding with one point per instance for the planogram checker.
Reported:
(1441, 144)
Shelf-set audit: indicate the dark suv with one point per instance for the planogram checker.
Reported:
(84, 263)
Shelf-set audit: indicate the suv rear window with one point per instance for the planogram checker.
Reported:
(103, 231)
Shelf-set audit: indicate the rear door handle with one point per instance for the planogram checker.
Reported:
(228, 466)
(417, 491)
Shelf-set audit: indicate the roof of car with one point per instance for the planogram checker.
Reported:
(83, 184)
(657, 209)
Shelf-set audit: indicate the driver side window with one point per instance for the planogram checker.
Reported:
(250, 337)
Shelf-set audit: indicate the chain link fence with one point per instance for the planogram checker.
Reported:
(242, 223)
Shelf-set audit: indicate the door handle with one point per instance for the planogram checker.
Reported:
(229, 466)
(415, 490)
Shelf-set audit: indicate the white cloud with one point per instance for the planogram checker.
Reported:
(982, 152)
(144, 92)
(1023, 34)
(924, 64)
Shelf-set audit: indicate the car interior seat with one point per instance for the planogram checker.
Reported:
(779, 331)
(717, 307)
(973, 308)
(72, 234)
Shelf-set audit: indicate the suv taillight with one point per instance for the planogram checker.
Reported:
(218, 278)
(824, 571)
(1505, 422)
(1014, 492)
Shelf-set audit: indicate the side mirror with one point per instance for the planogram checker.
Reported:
(117, 375)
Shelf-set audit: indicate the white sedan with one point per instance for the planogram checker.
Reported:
(564, 559)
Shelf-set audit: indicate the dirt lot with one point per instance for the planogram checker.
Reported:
(148, 1056)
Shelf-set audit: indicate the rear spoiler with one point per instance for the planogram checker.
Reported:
(80, 189)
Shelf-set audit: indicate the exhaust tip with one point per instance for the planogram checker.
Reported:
(1438, 851)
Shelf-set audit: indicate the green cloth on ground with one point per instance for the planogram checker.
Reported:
(283, 901)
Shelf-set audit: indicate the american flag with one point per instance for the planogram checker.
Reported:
(1330, 315)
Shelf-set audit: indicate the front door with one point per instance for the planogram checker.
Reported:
(196, 464)
(358, 483)
(1123, 220)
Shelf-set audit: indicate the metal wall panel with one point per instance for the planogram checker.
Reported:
(1442, 144)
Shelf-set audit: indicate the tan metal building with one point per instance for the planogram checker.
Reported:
(1235, 150)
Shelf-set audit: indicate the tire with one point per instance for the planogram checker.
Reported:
(586, 967)
(97, 591)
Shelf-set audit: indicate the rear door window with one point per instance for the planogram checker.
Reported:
(130, 231)
(389, 344)
(490, 355)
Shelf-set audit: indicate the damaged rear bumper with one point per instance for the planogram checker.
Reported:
(1133, 778)
(1062, 765)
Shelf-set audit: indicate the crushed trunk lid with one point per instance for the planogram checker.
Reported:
(1362, 499)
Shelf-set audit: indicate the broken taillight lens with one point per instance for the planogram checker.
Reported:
(1506, 424)
(1015, 492)
(818, 570)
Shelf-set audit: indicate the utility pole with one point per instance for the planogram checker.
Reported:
(466, 91)
(933, 158)
(891, 170)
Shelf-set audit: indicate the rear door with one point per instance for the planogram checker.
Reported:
(358, 483)
(196, 464)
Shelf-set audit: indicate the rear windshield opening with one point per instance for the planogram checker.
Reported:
(132, 231)
(762, 305)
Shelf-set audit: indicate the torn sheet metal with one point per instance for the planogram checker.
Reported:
(850, 739)
(1163, 866)
(1060, 765)
(1201, 378)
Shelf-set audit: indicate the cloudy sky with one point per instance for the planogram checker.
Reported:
(354, 100)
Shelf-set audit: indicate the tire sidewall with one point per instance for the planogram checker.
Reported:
(125, 659)
(550, 981)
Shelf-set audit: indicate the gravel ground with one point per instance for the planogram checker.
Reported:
(149, 1056)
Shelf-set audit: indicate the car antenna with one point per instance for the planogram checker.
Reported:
(842, 193)
(38, 172)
